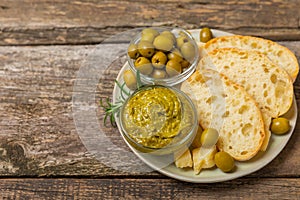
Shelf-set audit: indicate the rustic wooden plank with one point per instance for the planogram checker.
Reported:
(248, 188)
(91, 21)
(38, 136)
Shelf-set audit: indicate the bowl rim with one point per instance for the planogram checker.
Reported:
(189, 136)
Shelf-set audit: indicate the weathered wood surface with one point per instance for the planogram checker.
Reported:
(91, 21)
(43, 46)
(38, 133)
(130, 188)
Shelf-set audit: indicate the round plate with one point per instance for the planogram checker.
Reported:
(276, 145)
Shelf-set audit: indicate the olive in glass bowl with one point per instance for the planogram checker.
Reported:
(164, 56)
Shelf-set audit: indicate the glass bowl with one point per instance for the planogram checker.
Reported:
(163, 73)
(158, 119)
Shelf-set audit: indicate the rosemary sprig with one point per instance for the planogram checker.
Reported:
(112, 109)
(122, 90)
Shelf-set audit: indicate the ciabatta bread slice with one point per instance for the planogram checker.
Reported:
(279, 54)
(267, 83)
(227, 107)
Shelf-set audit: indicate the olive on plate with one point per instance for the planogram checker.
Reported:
(205, 35)
(280, 125)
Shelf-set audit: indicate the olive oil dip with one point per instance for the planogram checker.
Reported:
(156, 116)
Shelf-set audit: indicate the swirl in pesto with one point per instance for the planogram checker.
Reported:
(152, 117)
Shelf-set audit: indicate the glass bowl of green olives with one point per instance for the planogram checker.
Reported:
(165, 56)
(158, 120)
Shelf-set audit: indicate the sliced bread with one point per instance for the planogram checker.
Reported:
(227, 107)
(267, 123)
(267, 83)
(279, 54)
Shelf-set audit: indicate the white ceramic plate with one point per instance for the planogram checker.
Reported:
(276, 145)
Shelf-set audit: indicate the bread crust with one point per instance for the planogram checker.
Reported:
(279, 54)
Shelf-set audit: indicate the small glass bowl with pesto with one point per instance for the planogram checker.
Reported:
(164, 56)
(158, 119)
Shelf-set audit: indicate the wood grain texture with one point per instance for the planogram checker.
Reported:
(44, 45)
(248, 188)
(89, 21)
(38, 136)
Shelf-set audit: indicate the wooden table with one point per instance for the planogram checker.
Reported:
(43, 46)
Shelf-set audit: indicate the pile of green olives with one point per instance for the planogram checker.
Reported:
(161, 54)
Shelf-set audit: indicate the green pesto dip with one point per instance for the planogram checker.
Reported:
(154, 116)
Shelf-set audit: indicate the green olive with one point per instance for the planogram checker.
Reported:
(205, 34)
(159, 60)
(181, 40)
(209, 137)
(158, 73)
(143, 65)
(188, 51)
(173, 68)
(133, 51)
(150, 30)
(224, 161)
(175, 55)
(129, 79)
(163, 43)
(146, 49)
(185, 64)
(280, 125)
(149, 37)
(170, 35)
